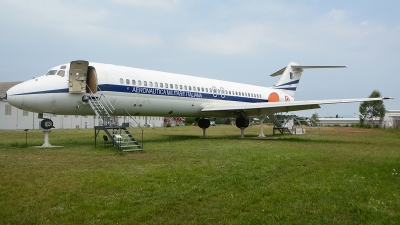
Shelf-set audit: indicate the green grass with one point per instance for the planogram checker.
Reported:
(344, 176)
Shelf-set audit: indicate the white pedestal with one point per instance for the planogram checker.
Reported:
(46, 138)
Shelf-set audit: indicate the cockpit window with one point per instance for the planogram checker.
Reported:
(61, 73)
(51, 72)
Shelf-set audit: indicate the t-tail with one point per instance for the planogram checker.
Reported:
(291, 76)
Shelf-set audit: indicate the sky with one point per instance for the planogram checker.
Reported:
(240, 41)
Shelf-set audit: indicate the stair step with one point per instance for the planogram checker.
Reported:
(132, 150)
(126, 146)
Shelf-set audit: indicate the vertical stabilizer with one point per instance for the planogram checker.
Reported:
(290, 76)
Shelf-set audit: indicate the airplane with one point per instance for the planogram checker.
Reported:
(70, 88)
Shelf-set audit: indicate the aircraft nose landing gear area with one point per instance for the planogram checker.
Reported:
(47, 124)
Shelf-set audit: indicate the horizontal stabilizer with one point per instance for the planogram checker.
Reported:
(280, 72)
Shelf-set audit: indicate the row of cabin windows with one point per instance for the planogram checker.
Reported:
(189, 88)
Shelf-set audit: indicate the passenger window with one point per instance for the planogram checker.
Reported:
(180, 87)
(194, 88)
(202, 89)
(171, 86)
(166, 85)
(185, 87)
(206, 90)
(139, 82)
(198, 89)
(151, 84)
(127, 81)
(161, 84)
(133, 82)
(155, 84)
(121, 80)
(176, 86)
(145, 83)
(190, 88)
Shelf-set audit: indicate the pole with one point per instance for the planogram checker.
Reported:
(26, 137)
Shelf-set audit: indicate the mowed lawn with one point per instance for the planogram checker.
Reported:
(343, 176)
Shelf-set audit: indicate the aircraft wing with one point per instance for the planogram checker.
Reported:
(265, 108)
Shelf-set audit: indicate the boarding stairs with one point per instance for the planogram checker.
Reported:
(298, 125)
(286, 126)
(121, 138)
(119, 135)
(101, 107)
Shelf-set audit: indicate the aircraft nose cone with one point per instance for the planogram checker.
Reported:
(15, 96)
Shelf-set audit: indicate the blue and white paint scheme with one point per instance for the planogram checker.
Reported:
(64, 88)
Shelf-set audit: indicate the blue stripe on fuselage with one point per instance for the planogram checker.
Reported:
(64, 90)
(288, 83)
(175, 93)
(157, 91)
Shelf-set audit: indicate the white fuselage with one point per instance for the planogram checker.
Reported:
(140, 92)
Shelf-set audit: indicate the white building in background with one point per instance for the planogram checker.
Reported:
(392, 119)
(338, 121)
(12, 118)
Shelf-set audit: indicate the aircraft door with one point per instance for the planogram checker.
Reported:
(91, 80)
(77, 76)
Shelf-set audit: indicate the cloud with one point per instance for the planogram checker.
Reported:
(337, 15)
(165, 4)
(80, 22)
(332, 32)
(235, 41)
(242, 39)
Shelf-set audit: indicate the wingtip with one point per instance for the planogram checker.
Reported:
(386, 98)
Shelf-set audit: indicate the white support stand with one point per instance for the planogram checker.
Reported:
(242, 132)
(261, 127)
(46, 138)
(47, 144)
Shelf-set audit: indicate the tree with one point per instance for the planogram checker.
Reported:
(315, 117)
(190, 120)
(370, 111)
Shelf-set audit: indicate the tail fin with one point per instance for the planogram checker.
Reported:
(291, 76)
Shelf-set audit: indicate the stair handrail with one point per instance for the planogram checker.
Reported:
(134, 128)
(315, 122)
(104, 99)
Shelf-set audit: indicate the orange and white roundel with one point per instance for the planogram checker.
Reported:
(273, 97)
